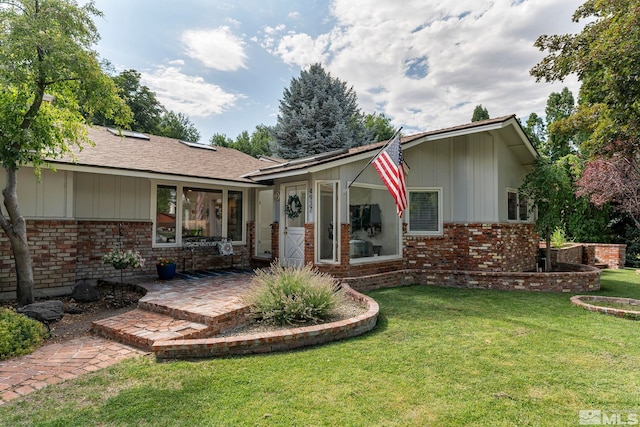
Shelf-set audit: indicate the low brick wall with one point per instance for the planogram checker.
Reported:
(578, 278)
(632, 313)
(287, 339)
(611, 255)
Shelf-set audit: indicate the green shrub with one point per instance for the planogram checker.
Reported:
(19, 334)
(293, 295)
(558, 238)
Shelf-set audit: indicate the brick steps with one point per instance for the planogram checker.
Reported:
(141, 328)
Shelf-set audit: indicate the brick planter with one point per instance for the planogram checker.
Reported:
(583, 301)
(267, 342)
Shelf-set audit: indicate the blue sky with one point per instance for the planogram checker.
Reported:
(424, 63)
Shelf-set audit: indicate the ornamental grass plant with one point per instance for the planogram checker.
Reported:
(293, 295)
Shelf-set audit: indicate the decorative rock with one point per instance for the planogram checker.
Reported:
(86, 291)
(45, 311)
(73, 309)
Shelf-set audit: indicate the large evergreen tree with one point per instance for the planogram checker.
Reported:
(318, 113)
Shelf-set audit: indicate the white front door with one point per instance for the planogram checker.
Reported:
(294, 208)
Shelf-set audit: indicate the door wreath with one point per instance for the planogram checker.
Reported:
(293, 208)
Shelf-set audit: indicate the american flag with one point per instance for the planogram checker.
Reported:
(391, 170)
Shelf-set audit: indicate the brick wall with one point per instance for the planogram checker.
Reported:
(462, 247)
(53, 251)
(275, 240)
(611, 255)
(573, 254)
(577, 278)
(468, 247)
(66, 251)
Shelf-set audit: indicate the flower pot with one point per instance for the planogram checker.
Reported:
(166, 272)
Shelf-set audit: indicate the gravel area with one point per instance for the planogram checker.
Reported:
(345, 311)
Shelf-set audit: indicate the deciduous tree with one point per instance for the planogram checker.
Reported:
(604, 56)
(45, 49)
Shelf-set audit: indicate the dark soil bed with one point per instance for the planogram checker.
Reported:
(79, 316)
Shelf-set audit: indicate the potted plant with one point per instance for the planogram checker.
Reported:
(123, 259)
(166, 268)
(120, 259)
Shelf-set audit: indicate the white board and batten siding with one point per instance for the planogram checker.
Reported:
(51, 197)
(77, 195)
(106, 197)
(463, 167)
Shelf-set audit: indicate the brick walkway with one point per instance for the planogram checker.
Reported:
(197, 300)
(55, 363)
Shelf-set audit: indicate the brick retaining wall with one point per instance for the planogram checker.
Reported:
(578, 278)
(266, 342)
(610, 255)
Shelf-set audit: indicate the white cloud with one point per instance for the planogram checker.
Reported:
(186, 94)
(216, 48)
(428, 63)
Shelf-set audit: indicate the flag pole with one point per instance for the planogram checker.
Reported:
(374, 157)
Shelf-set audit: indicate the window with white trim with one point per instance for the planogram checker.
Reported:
(517, 206)
(425, 211)
(186, 212)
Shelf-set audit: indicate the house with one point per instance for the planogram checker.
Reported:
(153, 194)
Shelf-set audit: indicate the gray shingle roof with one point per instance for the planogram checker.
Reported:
(164, 156)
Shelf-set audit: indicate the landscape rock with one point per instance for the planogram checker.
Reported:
(86, 291)
(45, 311)
(73, 309)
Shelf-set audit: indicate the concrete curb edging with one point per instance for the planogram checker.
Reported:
(286, 339)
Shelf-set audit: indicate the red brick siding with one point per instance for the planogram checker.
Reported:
(484, 247)
(275, 240)
(66, 251)
(309, 243)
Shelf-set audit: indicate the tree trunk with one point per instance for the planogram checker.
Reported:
(547, 250)
(16, 229)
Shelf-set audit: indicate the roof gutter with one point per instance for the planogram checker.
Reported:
(152, 175)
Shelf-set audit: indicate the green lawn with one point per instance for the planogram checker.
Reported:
(438, 357)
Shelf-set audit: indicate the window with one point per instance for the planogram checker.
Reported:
(201, 212)
(185, 212)
(327, 224)
(165, 227)
(425, 212)
(375, 226)
(234, 215)
(517, 206)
